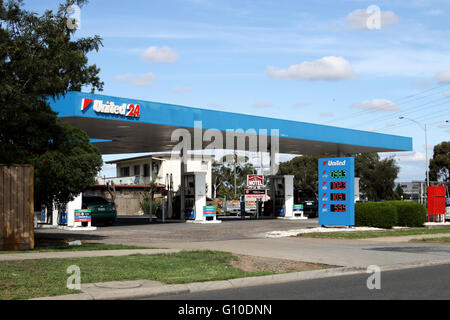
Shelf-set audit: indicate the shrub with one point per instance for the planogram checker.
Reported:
(145, 204)
(410, 214)
(375, 214)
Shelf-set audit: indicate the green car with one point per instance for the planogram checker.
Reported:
(101, 209)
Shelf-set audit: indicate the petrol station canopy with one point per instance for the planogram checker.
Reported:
(122, 125)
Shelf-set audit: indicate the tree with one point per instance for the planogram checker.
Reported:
(39, 61)
(220, 176)
(440, 163)
(399, 193)
(67, 169)
(305, 171)
(230, 176)
(376, 176)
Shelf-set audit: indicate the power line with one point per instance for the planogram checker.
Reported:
(427, 107)
(403, 100)
(423, 120)
(412, 110)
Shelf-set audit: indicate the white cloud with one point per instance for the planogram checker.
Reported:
(402, 62)
(447, 94)
(412, 156)
(182, 90)
(216, 106)
(123, 77)
(327, 114)
(361, 18)
(159, 55)
(421, 83)
(262, 104)
(390, 124)
(442, 77)
(301, 104)
(435, 12)
(137, 81)
(144, 80)
(327, 68)
(377, 105)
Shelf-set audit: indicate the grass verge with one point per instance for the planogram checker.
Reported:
(435, 240)
(83, 247)
(375, 234)
(47, 277)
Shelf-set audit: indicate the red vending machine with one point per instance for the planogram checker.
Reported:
(436, 202)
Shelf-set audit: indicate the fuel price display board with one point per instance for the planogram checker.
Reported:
(336, 191)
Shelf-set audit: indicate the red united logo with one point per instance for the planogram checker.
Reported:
(85, 103)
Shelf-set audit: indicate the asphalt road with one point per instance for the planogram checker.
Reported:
(415, 283)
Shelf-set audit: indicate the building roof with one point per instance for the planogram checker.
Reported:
(151, 130)
(163, 156)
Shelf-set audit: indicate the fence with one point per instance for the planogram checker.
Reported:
(16, 207)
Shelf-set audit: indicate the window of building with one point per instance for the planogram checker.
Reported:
(155, 168)
(137, 170)
(146, 170)
(125, 171)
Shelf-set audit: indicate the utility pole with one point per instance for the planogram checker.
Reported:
(235, 163)
(426, 146)
(261, 164)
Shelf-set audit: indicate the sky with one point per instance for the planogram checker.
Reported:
(352, 63)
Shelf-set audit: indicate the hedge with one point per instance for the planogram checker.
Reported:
(388, 214)
(410, 214)
(376, 214)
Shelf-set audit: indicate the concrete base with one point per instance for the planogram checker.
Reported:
(430, 224)
(77, 228)
(293, 218)
(45, 226)
(204, 221)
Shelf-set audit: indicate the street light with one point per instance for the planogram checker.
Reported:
(426, 146)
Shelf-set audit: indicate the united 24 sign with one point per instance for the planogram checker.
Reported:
(125, 110)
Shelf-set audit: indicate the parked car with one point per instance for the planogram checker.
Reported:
(101, 209)
(309, 200)
(233, 207)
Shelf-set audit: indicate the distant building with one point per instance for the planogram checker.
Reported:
(415, 190)
(133, 175)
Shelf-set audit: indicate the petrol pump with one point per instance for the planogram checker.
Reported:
(195, 209)
(74, 218)
(282, 196)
